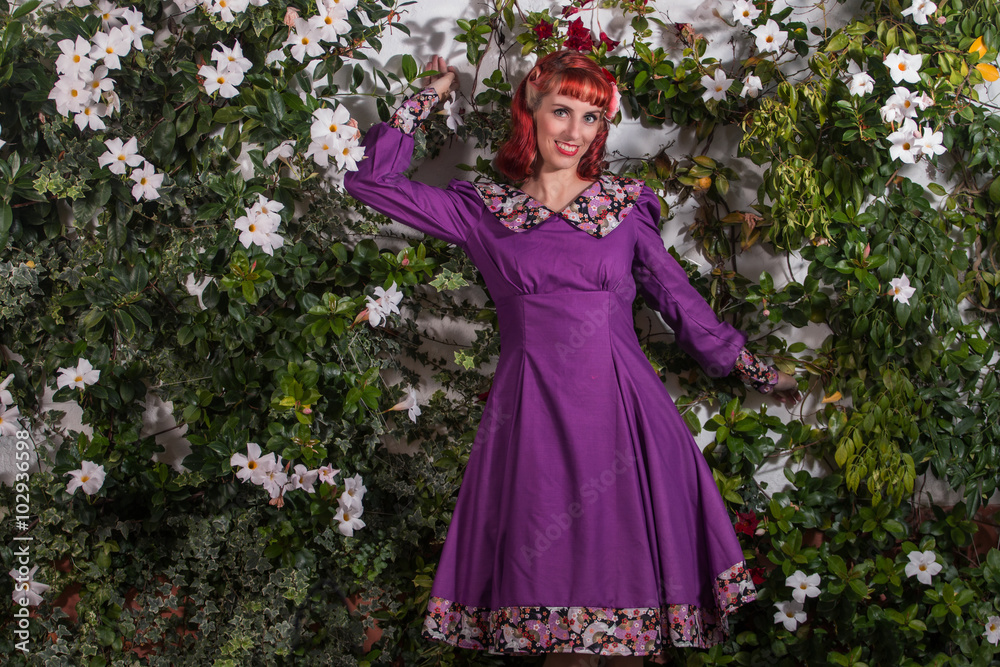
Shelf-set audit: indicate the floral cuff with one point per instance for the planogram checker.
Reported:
(755, 373)
(414, 110)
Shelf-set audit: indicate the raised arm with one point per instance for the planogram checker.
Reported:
(380, 182)
(717, 346)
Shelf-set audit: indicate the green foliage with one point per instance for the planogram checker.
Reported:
(194, 567)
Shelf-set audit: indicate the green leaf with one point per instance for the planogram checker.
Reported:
(995, 191)
(25, 9)
(409, 67)
(162, 142)
(937, 189)
(6, 220)
(276, 105)
(227, 115)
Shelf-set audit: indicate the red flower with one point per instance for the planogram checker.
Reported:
(607, 41)
(569, 11)
(543, 30)
(579, 37)
(746, 523)
(757, 574)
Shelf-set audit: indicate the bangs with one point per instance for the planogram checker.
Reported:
(584, 86)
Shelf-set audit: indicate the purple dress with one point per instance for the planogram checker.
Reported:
(588, 520)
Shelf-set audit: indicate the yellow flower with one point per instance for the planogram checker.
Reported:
(978, 47)
(989, 72)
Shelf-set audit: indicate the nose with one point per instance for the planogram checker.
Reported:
(576, 128)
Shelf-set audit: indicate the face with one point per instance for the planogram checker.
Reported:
(564, 129)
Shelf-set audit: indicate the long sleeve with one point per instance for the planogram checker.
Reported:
(714, 344)
(380, 182)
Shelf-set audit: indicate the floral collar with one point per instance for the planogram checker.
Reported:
(597, 211)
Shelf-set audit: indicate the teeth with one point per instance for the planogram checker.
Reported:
(567, 148)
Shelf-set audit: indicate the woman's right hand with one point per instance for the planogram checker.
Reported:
(447, 78)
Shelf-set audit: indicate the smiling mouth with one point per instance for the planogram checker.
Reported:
(566, 149)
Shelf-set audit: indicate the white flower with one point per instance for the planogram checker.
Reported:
(802, 585)
(923, 564)
(231, 58)
(717, 86)
(8, 420)
(900, 105)
(120, 155)
(134, 27)
(285, 151)
(354, 490)
(348, 517)
(770, 37)
(901, 292)
(385, 303)
(303, 478)
(321, 149)
(790, 614)
(330, 121)
(89, 477)
(253, 466)
(259, 230)
(90, 117)
(275, 57)
(744, 12)
(197, 287)
(904, 142)
(225, 8)
(267, 207)
(348, 153)
(274, 480)
(109, 14)
(97, 82)
(330, 22)
(327, 473)
(861, 84)
(346, 5)
(111, 47)
(147, 182)
(304, 41)
(5, 397)
(992, 633)
(904, 66)
(931, 143)
(409, 404)
(70, 94)
(920, 10)
(453, 111)
(924, 101)
(224, 81)
(27, 588)
(78, 376)
(751, 86)
(244, 163)
(2, 143)
(75, 58)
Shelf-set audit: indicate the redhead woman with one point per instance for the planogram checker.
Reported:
(588, 526)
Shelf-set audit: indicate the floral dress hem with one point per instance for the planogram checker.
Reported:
(593, 630)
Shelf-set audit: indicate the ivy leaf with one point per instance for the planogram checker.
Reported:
(995, 191)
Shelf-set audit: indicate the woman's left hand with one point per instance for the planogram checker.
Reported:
(787, 389)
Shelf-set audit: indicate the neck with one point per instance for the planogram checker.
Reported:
(555, 189)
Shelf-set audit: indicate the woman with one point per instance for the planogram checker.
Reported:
(588, 522)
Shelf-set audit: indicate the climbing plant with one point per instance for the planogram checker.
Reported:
(173, 229)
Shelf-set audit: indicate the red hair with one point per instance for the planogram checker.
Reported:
(565, 73)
